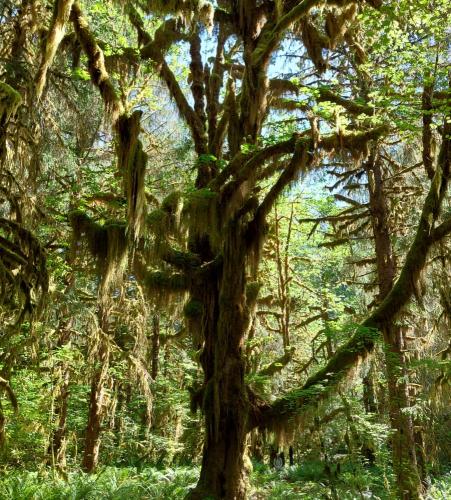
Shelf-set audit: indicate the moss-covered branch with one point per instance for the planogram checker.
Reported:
(353, 106)
(271, 36)
(163, 281)
(441, 231)
(96, 63)
(61, 13)
(277, 365)
(23, 271)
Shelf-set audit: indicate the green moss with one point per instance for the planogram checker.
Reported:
(193, 309)
(172, 202)
(10, 100)
(201, 196)
(158, 221)
(252, 291)
(107, 243)
(162, 280)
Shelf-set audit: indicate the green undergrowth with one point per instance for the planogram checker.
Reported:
(307, 481)
(109, 484)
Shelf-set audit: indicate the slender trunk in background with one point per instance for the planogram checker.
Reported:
(97, 401)
(155, 345)
(58, 437)
(2, 430)
(403, 442)
(369, 403)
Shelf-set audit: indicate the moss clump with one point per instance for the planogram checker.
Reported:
(10, 100)
(158, 221)
(163, 280)
(106, 242)
(193, 309)
(201, 196)
(252, 291)
(172, 203)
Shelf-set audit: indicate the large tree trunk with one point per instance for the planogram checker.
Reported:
(225, 400)
(403, 442)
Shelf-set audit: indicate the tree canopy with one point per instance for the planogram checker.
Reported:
(224, 227)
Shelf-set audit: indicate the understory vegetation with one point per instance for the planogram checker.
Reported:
(225, 249)
(307, 481)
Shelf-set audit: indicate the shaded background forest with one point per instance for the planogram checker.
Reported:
(224, 218)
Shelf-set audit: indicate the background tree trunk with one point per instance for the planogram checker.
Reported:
(403, 442)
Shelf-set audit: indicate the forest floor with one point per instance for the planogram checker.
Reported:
(306, 481)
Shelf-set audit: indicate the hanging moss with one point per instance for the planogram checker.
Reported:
(187, 10)
(107, 243)
(338, 21)
(314, 43)
(201, 210)
(132, 162)
(10, 100)
(164, 280)
(56, 32)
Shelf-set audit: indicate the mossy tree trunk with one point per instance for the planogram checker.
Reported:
(95, 413)
(155, 346)
(58, 436)
(97, 397)
(225, 247)
(403, 442)
(225, 399)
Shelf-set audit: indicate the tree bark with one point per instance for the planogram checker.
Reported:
(97, 401)
(58, 438)
(57, 442)
(155, 345)
(225, 401)
(403, 441)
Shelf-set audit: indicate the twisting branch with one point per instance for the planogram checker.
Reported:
(441, 231)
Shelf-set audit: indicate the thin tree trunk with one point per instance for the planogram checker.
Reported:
(403, 442)
(97, 401)
(155, 345)
(58, 438)
(57, 442)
